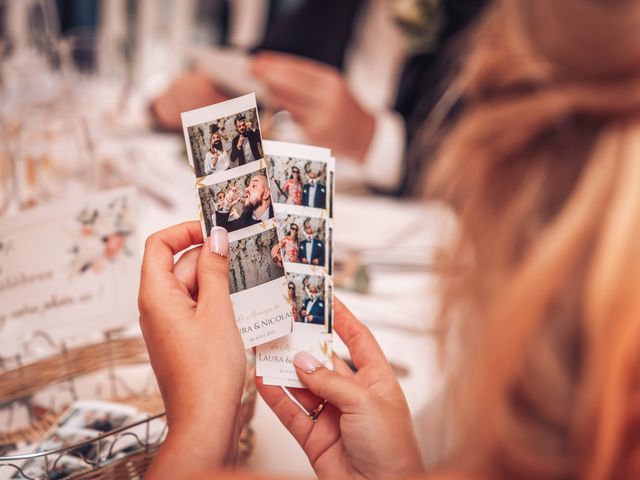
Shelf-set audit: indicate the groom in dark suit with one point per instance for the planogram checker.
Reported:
(314, 193)
(256, 208)
(247, 145)
(311, 250)
(312, 310)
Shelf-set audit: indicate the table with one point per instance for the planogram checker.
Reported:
(400, 309)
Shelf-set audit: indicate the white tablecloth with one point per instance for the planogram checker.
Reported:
(400, 307)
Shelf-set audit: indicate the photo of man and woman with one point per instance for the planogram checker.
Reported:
(237, 203)
(307, 296)
(303, 239)
(225, 143)
(298, 181)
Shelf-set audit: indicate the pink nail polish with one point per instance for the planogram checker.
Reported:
(306, 362)
(219, 241)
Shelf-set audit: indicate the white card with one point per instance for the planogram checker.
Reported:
(225, 149)
(70, 269)
(274, 360)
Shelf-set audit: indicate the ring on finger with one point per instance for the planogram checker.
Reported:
(315, 413)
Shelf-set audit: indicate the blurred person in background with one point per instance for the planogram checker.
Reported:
(358, 76)
(543, 316)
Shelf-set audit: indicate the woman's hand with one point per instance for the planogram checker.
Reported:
(195, 348)
(365, 430)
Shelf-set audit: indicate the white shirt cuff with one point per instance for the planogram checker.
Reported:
(383, 162)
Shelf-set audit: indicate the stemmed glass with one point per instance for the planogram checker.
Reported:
(33, 96)
(98, 70)
(30, 67)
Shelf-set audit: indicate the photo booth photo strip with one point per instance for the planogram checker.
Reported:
(303, 217)
(224, 146)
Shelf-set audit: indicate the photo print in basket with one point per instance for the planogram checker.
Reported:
(238, 202)
(298, 181)
(225, 142)
(97, 416)
(54, 468)
(67, 437)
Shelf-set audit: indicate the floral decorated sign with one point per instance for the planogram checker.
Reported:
(69, 269)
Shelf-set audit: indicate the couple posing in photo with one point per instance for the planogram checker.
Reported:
(310, 192)
(245, 147)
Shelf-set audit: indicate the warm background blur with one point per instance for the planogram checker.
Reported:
(90, 97)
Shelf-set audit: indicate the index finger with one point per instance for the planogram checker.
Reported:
(162, 246)
(362, 345)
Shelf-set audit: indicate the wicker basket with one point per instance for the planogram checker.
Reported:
(23, 380)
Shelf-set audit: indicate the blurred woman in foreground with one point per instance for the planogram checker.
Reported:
(544, 169)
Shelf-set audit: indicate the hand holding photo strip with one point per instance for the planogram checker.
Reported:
(301, 181)
(225, 149)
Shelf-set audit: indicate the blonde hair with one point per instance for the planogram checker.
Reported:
(544, 168)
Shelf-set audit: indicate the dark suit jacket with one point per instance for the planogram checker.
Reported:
(317, 311)
(245, 220)
(317, 250)
(423, 83)
(323, 30)
(320, 197)
(237, 154)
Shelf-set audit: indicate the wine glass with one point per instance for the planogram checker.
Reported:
(99, 75)
(52, 160)
(30, 60)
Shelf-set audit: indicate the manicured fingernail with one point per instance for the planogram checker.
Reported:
(306, 362)
(219, 241)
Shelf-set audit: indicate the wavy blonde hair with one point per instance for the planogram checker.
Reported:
(544, 168)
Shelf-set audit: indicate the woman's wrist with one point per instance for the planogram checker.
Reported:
(192, 446)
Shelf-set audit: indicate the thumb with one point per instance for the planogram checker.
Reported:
(213, 271)
(341, 391)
